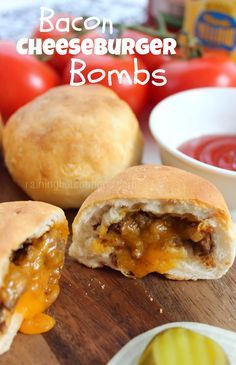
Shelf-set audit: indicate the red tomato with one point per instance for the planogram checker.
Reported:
(58, 61)
(152, 61)
(134, 94)
(55, 34)
(210, 70)
(22, 78)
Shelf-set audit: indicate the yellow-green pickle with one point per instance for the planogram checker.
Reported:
(180, 346)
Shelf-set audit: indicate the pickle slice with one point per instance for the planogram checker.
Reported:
(180, 346)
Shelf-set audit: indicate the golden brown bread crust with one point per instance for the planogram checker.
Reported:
(69, 141)
(161, 183)
(25, 219)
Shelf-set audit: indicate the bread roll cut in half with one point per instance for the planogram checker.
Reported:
(156, 219)
(67, 142)
(33, 237)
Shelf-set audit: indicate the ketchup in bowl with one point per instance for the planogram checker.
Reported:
(215, 150)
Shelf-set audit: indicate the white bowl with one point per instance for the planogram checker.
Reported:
(191, 114)
(131, 352)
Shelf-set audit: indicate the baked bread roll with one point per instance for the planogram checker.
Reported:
(33, 237)
(66, 143)
(156, 219)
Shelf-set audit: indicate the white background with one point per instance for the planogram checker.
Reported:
(13, 4)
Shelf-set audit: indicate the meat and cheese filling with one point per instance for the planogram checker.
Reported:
(145, 243)
(31, 283)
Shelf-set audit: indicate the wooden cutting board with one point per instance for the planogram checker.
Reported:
(98, 311)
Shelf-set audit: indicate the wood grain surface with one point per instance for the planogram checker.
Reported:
(99, 311)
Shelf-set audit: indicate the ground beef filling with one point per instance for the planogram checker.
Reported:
(146, 243)
(31, 284)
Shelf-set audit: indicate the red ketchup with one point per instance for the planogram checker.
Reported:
(215, 150)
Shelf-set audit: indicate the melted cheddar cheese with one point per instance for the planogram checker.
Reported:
(31, 284)
(144, 243)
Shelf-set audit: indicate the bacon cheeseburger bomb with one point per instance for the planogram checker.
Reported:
(66, 143)
(33, 237)
(156, 219)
